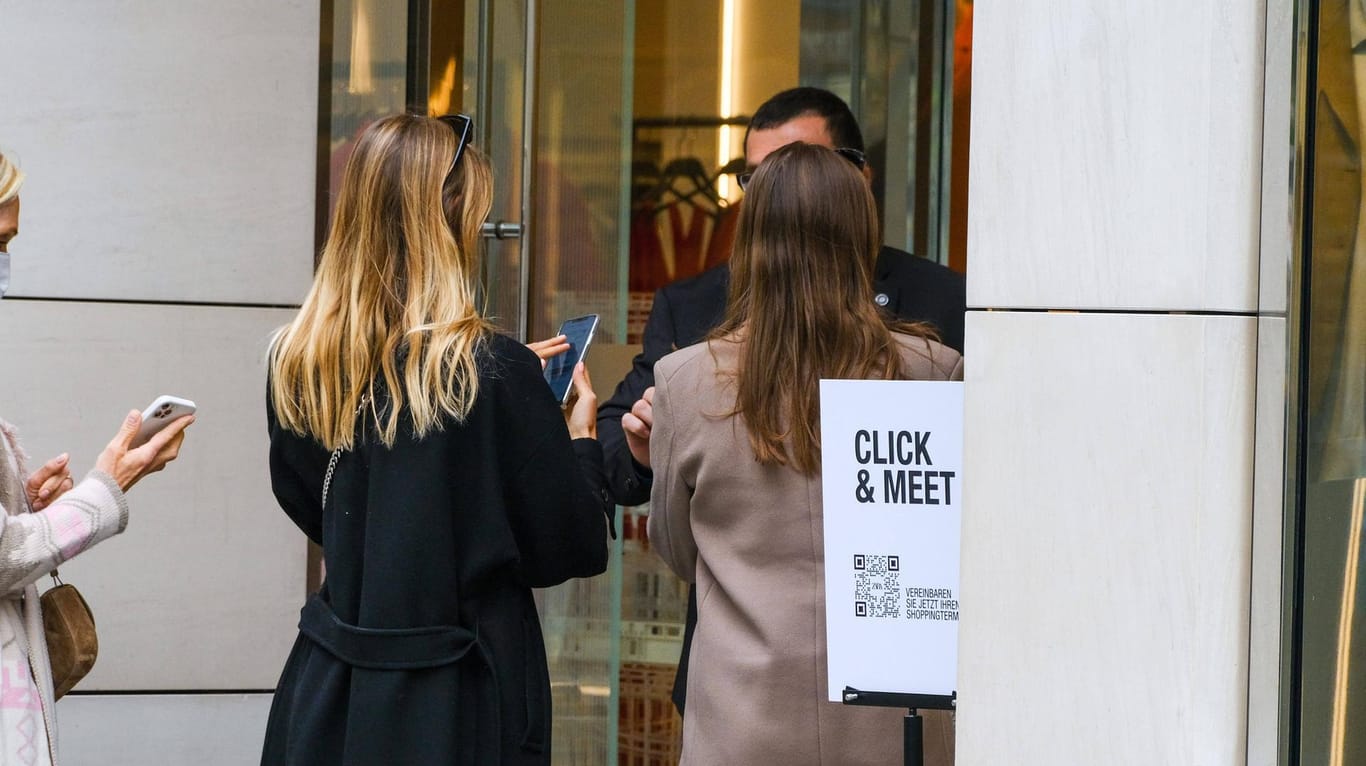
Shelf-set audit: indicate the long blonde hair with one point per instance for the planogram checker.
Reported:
(11, 178)
(801, 299)
(394, 296)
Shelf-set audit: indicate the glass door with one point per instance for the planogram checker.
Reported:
(495, 89)
(1325, 617)
(547, 83)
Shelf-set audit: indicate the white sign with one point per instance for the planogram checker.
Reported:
(892, 457)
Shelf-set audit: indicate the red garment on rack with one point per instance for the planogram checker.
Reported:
(648, 271)
(677, 241)
(689, 238)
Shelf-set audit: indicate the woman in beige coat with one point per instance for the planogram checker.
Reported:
(736, 504)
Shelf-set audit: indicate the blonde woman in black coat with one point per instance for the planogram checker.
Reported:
(426, 455)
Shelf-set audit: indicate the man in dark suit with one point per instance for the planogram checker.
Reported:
(684, 312)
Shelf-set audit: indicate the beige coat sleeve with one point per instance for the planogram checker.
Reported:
(670, 522)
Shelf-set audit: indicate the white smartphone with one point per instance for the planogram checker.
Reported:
(160, 413)
(559, 372)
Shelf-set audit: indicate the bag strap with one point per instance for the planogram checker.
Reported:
(331, 464)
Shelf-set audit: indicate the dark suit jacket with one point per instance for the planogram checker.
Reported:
(684, 312)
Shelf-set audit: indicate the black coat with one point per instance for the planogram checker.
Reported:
(424, 646)
(912, 288)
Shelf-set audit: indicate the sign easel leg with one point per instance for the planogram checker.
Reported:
(912, 726)
(913, 738)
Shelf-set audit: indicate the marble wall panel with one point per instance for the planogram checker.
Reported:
(170, 147)
(203, 589)
(1106, 539)
(135, 729)
(1116, 155)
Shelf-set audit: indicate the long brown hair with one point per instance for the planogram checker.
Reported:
(394, 287)
(801, 299)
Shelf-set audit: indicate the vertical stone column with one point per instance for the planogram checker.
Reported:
(1114, 239)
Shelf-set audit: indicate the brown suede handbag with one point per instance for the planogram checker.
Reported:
(71, 641)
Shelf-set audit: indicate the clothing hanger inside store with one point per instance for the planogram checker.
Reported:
(686, 179)
(732, 168)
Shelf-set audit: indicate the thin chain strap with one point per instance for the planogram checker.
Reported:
(336, 455)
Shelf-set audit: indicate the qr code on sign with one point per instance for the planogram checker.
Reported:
(877, 583)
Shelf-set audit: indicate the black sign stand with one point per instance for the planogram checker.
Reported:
(913, 726)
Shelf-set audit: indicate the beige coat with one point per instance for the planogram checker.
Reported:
(750, 536)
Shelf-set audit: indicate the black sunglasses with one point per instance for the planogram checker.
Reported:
(463, 125)
(853, 155)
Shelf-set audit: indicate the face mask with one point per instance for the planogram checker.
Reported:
(4, 273)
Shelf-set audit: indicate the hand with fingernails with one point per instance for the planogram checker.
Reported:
(549, 348)
(126, 464)
(637, 424)
(123, 463)
(49, 482)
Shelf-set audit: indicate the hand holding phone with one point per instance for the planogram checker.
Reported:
(559, 371)
(163, 411)
(582, 417)
(146, 441)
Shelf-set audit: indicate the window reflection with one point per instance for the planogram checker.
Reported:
(369, 54)
(1333, 637)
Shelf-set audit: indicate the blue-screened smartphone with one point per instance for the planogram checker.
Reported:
(559, 372)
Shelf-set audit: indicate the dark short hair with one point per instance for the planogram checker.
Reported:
(799, 102)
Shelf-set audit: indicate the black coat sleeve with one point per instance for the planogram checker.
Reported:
(927, 292)
(953, 309)
(297, 467)
(557, 501)
(630, 481)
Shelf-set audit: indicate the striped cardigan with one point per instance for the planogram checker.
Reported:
(31, 545)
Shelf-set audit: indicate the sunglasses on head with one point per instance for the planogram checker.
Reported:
(463, 126)
(853, 155)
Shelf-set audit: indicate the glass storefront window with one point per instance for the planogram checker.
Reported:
(366, 43)
(1328, 501)
(702, 68)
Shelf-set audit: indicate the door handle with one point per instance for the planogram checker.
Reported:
(501, 230)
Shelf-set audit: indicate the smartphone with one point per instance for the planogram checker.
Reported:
(160, 413)
(559, 372)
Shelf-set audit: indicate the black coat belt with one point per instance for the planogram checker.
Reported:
(386, 648)
(408, 649)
